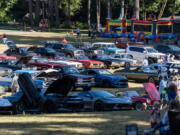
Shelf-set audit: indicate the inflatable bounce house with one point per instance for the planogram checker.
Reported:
(152, 28)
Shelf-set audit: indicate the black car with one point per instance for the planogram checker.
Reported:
(68, 49)
(72, 73)
(100, 100)
(46, 52)
(109, 62)
(54, 99)
(171, 49)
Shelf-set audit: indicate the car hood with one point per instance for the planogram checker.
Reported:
(60, 86)
(115, 77)
(122, 100)
(152, 91)
(80, 75)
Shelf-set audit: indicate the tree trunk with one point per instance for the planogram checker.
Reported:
(122, 8)
(56, 12)
(98, 2)
(136, 8)
(69, 11)
(31, 12)
(37, 13)
(89, 12)
(51, 12)
(108, 8)
(174, 7)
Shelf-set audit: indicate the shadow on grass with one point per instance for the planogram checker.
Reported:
(102, 123)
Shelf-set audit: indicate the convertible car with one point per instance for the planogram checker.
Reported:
(104, 78)
(143, 74)
(100, 100)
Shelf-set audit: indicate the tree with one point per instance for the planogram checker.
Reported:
(69, 11)
(31, 12)
(51, 10)
(122, 7)
(89, 12)
(136, 8)
(56, 2)
(109, 7)
(37, 13)
(98, 13)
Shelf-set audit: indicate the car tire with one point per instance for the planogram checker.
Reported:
(151, 80)
(106, 84)
(98, 106)
(106, 66)
(68, 55)
(138, 106)
(18, 108)
(127, 65)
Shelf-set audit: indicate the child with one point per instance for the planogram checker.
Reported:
(155, 114)
(164, 99)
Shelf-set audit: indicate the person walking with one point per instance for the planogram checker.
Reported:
(78, 32)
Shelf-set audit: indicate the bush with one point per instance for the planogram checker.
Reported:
(82, 25)
(66, 24)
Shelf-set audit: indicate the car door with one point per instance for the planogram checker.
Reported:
(88, 100)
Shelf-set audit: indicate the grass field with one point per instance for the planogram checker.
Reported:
(90, 123)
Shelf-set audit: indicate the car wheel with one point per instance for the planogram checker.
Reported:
(18, 108)
(151, 80)
(127, 65)
(106, 66)
(49, 107)
(68, 55)
(98, 106)
(139, 106)
(106, 84)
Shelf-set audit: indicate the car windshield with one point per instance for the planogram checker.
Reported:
(68, 46)
(50, 50)
(174, 48)
(103, 57)
(151, 50)
(104, 72)
(70, 70)
(103, 94)
(82, 58)
(131, 93)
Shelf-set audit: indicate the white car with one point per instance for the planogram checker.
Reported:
(142, 52)
(67, 62)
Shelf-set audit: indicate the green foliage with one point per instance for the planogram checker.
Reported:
(82, 25)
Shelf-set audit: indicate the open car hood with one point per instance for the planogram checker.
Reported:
(152, 91)
(60, 86)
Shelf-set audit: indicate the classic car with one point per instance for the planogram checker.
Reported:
(109, 62)
(46, 52)
(104, 78)
(143, 74)
(66, 61)
(124, 42)
(51, 100)
(68, 49)
(148, 99)
(100, 100)
(89, 63)
(108, 48)
(127, 59)
(42, 64)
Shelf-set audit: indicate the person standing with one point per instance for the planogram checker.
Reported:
(14, 84)
(4, 40)
(78, 32)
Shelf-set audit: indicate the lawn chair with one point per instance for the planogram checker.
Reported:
(174, 122)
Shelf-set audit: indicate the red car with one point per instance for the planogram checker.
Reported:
(124, 42)
(89, 63)
(149, 99)
(42, 64)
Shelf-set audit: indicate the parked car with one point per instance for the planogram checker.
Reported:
(169, 49)
(148, 99)
(68, 49)
(109, 62)
(87, 63)
(142, 52)
(144, 74)
(100, 100)
(51, 100)
(124, 42)
(127, 59)
(108, 48)
(104, 78)
(46, 52)
(66, 61)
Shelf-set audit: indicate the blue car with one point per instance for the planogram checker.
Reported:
(104, 78)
